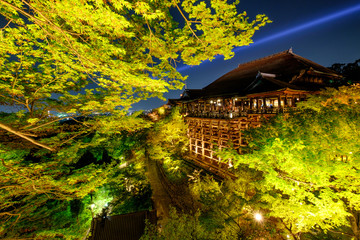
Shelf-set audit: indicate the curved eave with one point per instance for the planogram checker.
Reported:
(284, 91)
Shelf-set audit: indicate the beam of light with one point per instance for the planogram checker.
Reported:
(307, 25)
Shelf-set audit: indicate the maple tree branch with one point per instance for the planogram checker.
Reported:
(7, 24)
(15, 170)
(22, 135)
(11, 215)
(11, 98)
(44, 124)
(76, 135)
(292, 179)
(289, 229)
(51, 24)
(187, 22)
(30, 134)
(17, 71)
(342, 233)
(63, 32)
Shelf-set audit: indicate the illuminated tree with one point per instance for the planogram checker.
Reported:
(309, 161)
(167, 142)
(51, 195)
(102, 56)
(232, 207)
(92, 60)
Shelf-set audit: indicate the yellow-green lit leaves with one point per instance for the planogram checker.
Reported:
(132, 46)
(167, 141)
(118, 124)
(83, 57)
(208, 30)
(309, 161)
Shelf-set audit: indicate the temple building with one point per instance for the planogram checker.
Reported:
(217, 113)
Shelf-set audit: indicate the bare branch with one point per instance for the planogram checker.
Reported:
(25, 137)
(7, 24)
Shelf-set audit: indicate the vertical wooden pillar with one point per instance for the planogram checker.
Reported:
(279, 103)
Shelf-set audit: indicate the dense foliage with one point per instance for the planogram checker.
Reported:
(48, 195)
(308, 161)
(87, 57)
(167, 142)
(69, 71)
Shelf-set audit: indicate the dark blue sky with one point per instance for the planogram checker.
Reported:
(324, 31)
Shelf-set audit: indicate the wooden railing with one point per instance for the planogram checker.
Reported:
(234, 114)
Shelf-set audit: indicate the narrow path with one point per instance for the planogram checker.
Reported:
(160, 196)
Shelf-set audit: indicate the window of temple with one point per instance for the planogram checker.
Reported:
(276, 103)
(260, 102)
(289, 102)
(267, 102)
(254, 103)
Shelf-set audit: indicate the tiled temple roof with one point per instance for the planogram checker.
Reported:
(274, 72)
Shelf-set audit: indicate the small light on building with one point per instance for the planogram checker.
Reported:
(211, 101)
(231, 115)
(235, 99)
(219, 100)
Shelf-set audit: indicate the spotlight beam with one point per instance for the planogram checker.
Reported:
(328, 18)
(307, 25)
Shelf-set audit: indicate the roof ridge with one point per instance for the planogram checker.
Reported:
(305, 60)
(290, 51)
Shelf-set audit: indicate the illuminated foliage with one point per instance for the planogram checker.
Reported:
(309, 161)
(50, 195)
(179, 226)
(86, 57)
(90, 61)
(35, 186)
(167, 142)
(229, 208)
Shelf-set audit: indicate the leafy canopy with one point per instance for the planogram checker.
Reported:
(310, 162)
(98, 56)
(85, 57)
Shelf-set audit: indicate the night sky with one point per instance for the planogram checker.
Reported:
(324, 31)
